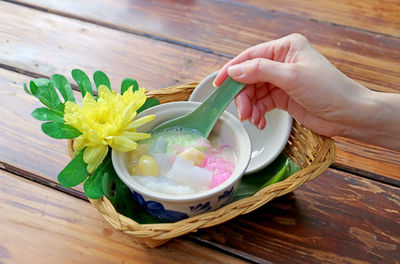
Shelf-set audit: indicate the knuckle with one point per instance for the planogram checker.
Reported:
(258, 65)
(298, 36)
(293, 73)
(254, 67)
(257, 69)
(293, 70)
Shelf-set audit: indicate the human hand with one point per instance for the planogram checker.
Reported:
(290, 74)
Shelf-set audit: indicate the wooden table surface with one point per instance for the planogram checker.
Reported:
(349, 214)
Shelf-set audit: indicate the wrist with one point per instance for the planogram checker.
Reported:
(376, 118)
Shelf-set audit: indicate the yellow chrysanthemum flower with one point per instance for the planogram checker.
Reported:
(106, 122)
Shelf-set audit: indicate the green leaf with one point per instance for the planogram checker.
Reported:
(45, 114)
(62, 84)
(94, 185)
(121, 198)
(109, 186)
(150, 102)
(126, 83)
(83, 82)
(43, 89)
(59, 130)
(41, 82)
(280, 169)
(74, 173)
(100, 78)
(116, 191)
(280, 176)
(27, 90)
(93, 188)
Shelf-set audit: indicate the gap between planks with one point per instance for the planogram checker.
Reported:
(124, 29)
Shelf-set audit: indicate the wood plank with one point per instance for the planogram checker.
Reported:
(335, 218)
(41, 225)
(369, 15)
(25, 148)
(226, 28)
(48, 44)
(370, 161)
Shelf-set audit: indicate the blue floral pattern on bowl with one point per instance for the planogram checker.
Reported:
(226, 195)
(201, 208)
(156, 209)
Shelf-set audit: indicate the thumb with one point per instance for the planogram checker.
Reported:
(260, 70)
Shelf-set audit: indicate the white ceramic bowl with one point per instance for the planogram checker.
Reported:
(266, 144)
(177, 207)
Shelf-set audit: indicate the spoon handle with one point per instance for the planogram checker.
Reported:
(204, 117)
(215, 104)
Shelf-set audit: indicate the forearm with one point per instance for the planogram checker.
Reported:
(379, 120)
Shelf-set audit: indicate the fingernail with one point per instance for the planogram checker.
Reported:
(235, 70)
(213, 84)
(239, 116)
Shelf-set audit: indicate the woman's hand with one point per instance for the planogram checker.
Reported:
(290, 74)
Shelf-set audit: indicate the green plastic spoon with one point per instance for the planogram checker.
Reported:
(204, 117)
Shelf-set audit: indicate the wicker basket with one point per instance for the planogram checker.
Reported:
(312, 152)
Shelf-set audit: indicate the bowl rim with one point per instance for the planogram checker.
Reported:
(234, 178)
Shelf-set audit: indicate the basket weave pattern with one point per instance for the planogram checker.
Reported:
(312, 152)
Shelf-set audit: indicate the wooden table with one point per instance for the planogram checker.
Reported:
(349, 214)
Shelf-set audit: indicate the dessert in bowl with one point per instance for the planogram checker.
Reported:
(177, 174)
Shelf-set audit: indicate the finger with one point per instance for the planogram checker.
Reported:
(243, 106)
(263, 50)
(245, 102)
(261, 124)
(261, 91)
(262, 70)
(221, 76)
(265, 104)
(223, 73)
(255, 116)
(280, 99)
(272, 50)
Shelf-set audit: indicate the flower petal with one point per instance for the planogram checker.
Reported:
(140, 122)
(79, 143)
(135, 136)
(128, 115)
(88, 100)
(94, 156)
(92, 138)
(121, 143)
(71, 113)
(104, 91)
(140, 98)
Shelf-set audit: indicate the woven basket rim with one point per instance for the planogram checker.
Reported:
(158, 233)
